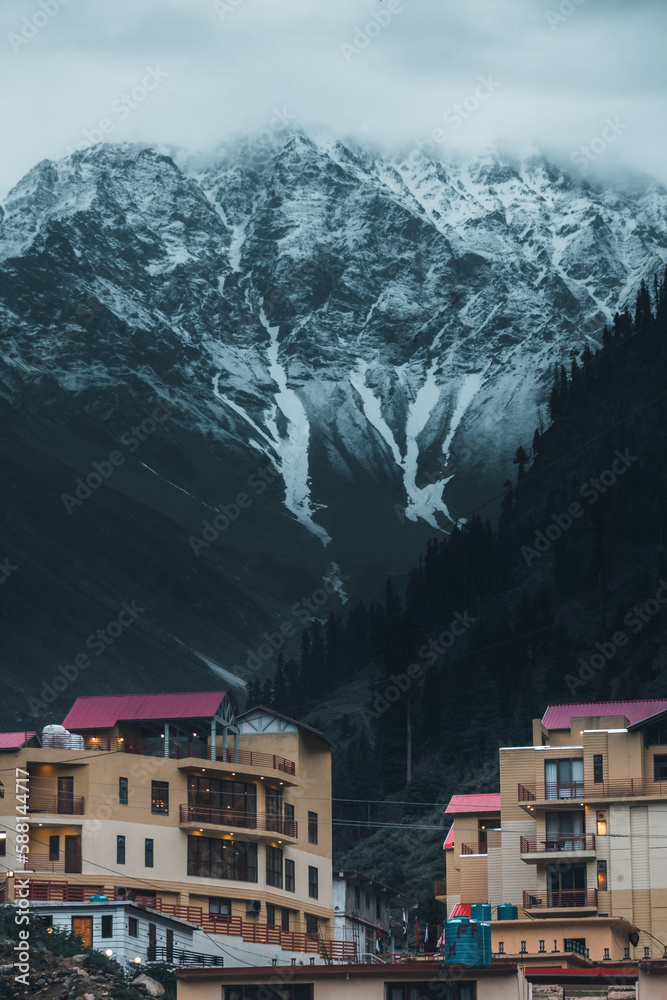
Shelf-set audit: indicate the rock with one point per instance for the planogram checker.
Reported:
(88, 996)
(154, 988)
(79, 959)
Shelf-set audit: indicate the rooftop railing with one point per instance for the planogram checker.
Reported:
(183, 749)
(559, 791)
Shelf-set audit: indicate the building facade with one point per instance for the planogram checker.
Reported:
(170, 801)
(576, 839)
(362, 913)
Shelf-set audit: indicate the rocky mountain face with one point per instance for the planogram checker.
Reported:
(238, 397)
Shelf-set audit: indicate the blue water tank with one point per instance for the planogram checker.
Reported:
(507, 911)
(483, 943)
(480, 911)
(461, 937)
(98, 898)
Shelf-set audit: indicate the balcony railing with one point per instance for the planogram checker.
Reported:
(474, 849)
(63, 865)
(621, 788)
(180, 957)
(57, 805)
(63, 892)
(565, 898)
(558, 843)
(182, 749)
(240, 818)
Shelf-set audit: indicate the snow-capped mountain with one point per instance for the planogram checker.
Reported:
(370, 336)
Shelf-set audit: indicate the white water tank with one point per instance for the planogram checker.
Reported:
(58, 736)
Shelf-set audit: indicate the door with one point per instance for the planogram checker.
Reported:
(72, 854)
(66, 795)
(566, 885)
(83, 926)
(170, 946)
(152, 943)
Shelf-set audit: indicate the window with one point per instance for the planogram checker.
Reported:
(290, 881)
(602, 822)
(170, 946)
(378, 908)
(148, 852)
(598, 775)
(311, 924)
(312, 882)
(107, 926)
(216, 904)
(566, 885)
(564, 779)
(431, 991)
(357, 897)
(159, 796)
(210, 857)
(133, 927)
(660, 767)
(54, 848)
(283, 992)
(575, 944)
(565, 831)
(3, 844)
(274, 867)
(284, 920)
(122, 791)
(120, 850)
(602, 876)
(290, 827)
(274, 809)
(368, 901)
(270, 915)
(214, 796)
(312, 827)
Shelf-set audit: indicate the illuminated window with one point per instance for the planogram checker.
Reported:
(159, 796)
(602, 823)
(602, 876)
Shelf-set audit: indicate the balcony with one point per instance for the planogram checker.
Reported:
(561, 899)
(63, 892)
(576, 791)
(64, 865)
(476, 849)
(239, 819)
(184, 749)
(570, 845)
(56, 805)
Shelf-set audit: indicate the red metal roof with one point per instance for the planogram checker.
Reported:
(460, 910)
(13, 741)
(449, 839)
(483, 802)
(560, 716)
(103, 712)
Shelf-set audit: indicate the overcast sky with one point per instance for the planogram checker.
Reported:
(383, 71)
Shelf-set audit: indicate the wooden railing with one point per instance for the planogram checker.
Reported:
(563, 791)
(473, 849)
(63, 892)
(565, 898)
(181, 958)
(61, 805)
(62, 865)
(558, 843)
(183, 749)
(244, 819)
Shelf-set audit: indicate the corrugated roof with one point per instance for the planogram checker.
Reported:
(482, 802)
(449, 839)
(104, 711)
(460, 910)
(13, 741)
(560, 716)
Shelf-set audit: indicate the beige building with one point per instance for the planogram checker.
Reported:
(170, 801)
(576, 839)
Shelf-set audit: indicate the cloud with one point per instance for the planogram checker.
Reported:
(383, 71)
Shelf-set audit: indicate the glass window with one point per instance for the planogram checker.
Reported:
(284, 920)
(120, 850)
(598, 775)
(602, 822)
(223, 800)
(107, 926)
(54, 848)
(274, 867)
(311, 924)
(290, 880)
(312, 882)
(660, 767)
(3, 844)
(312, 827)
(431, 991)
(602, 876)
(270, 915)
(564, 779)
(148, 853)
(211, 857)
(159, 796)
(122, 791)
(216, 904)
(133, 927)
